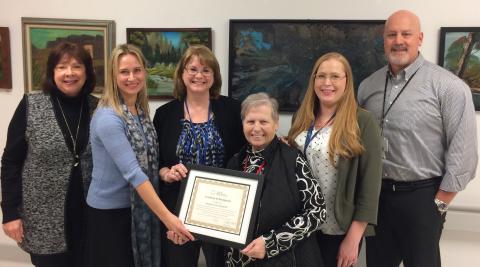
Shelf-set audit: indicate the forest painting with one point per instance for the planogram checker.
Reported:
(163, 49)
(40, 35)
(460, 53)
(277, 56)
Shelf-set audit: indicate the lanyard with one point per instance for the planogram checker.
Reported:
(309, 137)
(202, 150)
(384, 114)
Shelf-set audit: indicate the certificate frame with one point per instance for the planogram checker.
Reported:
(220, 205)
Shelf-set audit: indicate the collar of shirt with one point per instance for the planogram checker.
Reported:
(410, 70)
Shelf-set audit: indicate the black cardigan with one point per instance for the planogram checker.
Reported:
(167, 123)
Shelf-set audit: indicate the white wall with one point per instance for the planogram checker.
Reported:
(462, 233)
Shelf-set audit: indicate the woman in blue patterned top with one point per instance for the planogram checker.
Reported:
(202, 127)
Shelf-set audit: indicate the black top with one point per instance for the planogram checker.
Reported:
(167, 123)
(15, 151)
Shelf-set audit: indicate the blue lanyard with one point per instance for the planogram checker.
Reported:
(309, 137)
(202, 150)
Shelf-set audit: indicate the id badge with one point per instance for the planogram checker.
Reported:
(385, 147)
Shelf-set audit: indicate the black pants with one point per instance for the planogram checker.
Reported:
(329, 245)
(409, 230)
(51, 260)
(187, 255)
(109, 242)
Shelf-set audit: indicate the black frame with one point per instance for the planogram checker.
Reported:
(238, 174)
(280, 61)
(468, 77)
(198, 31)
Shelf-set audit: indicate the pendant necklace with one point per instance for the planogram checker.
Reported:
(76, 159)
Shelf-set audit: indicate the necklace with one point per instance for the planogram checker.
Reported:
(76, 159)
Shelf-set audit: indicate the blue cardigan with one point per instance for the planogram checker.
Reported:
(115, 164)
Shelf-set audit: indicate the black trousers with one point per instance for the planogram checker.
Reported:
(50, 260)
(109, 242)
(409, 230)
(187, 255)
(329, 245)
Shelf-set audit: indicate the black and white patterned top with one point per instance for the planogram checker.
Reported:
(317, 155)
(299, 227)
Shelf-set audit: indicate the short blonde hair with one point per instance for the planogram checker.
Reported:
(259, 99)
(207, 58)
(112, 97)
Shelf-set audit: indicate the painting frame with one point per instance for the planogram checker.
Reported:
(288, 49)
(5, 59)
(160, 65)
(452, 40)
(53, 30)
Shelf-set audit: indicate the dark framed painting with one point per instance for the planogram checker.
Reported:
(40, 35)
(460, 53)
(163, 48)
(277, 56)
(5, 59)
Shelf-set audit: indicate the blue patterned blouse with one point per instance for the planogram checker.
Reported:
(200, 143)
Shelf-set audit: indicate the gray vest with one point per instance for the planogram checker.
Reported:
(45, 177)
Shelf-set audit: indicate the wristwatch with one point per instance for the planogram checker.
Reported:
(441, 206)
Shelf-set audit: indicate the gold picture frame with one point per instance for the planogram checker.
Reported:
(39, 35)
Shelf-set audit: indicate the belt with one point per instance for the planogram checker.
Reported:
(391, 185)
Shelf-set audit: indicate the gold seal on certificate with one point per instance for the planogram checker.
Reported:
(219, 205)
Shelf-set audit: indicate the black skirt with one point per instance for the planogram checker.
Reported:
(109, 241)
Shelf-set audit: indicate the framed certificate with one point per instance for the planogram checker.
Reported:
(220, 205)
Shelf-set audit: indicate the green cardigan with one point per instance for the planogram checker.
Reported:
(359, 178)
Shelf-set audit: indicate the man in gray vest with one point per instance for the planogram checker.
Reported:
(429, 134)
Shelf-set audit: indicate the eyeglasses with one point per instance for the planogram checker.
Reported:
(334, 78)
(194, 71)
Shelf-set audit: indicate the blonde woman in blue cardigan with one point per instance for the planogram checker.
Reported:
(343, 147)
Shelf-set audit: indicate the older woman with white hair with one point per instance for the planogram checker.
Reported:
(292, 206)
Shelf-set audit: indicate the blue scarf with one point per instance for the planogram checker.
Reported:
(145, 224)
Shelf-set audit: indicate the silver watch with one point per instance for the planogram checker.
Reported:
(441, 206)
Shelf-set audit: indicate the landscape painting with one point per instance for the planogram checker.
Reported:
(277, 56)
(460, 53)
(41, 35)
(163, 49)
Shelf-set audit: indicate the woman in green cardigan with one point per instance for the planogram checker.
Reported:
(343, 146)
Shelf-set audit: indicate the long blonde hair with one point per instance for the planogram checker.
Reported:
(112, 97)
(345, 136)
